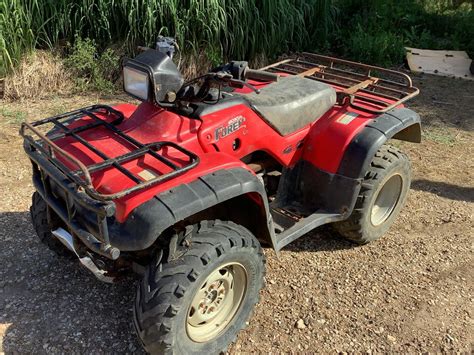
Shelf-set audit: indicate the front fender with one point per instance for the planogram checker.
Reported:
(403, 124)
(148, 221)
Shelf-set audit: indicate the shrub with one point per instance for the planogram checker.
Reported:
(382, 48)
(91, 69)
(376, 31)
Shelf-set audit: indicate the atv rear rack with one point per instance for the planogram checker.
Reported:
(82, 176)
(358, 85)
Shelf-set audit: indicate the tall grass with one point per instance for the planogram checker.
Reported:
(218, 28)
(373, 31)
(16, 33)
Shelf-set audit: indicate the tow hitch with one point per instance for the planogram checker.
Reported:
(67, 239)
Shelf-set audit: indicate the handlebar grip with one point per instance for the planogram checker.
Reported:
(261, 75)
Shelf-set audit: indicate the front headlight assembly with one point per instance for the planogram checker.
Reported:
(152, 76)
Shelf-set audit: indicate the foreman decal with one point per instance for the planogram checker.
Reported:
(232, 126)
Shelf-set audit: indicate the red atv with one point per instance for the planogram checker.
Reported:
(184, 187)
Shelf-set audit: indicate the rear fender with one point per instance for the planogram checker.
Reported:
(318, 189)
(402, 124)
(208, 196)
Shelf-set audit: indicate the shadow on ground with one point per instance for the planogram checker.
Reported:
(321, 239)
(443, 189)
(52, 305)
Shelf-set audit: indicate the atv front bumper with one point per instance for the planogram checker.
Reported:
(86, 218)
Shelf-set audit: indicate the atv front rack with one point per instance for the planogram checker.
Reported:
(45, 144)
(359, 85)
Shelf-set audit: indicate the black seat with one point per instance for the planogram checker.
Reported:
(292, 103)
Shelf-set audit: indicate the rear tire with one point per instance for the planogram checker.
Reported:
(39, 217)
(382, 196)
(197, 302)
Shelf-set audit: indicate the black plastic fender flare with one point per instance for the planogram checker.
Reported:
(149, 220)
(403, 124)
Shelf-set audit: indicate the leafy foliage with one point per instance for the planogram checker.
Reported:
(219, 28)
(92, 70)
(376, 31)
(372, 31)
(382, 48)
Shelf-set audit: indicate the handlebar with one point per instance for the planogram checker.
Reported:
(260, 75)
(232, 74)
(228, 78)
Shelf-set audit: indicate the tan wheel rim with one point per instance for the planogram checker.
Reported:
(216, 302)
(386, 200)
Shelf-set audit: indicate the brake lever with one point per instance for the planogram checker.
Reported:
(222, 75)
(244, 83)
(227, 77)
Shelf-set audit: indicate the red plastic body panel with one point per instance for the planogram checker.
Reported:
(220, 140)
(327, 140)
(252, 134)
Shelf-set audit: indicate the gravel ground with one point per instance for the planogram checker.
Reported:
(412, 291)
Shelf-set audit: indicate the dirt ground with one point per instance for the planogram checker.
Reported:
(412, 291)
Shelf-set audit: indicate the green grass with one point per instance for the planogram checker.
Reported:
(218, 28)
(372, 31)
(11, 116)
(377, 31)
(439, 135)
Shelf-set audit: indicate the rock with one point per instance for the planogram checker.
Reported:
(300, 324)
(379, 330)
(391, 338)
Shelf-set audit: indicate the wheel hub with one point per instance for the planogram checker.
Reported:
(213, 298)
(386, 200)
(216, 302)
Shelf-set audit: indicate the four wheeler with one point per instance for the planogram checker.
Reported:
(184, 187)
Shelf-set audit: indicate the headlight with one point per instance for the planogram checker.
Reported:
(136, 82)
(152, 76)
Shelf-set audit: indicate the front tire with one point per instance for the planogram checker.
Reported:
(199, 301)
(383, 194)
(43, 228)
